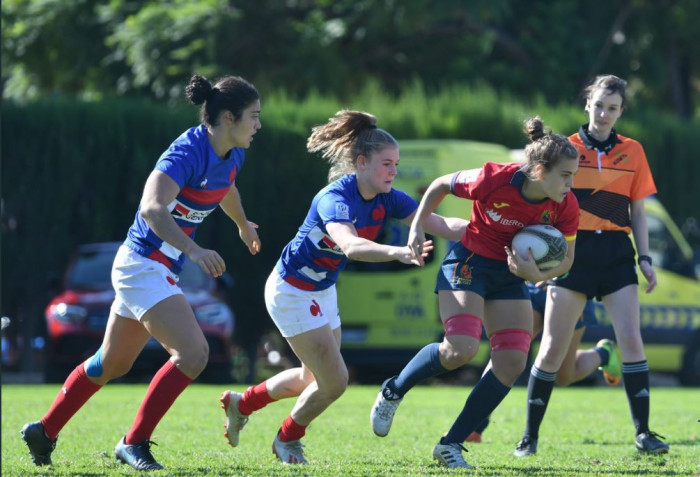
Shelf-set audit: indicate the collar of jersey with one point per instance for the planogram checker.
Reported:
(592, 143)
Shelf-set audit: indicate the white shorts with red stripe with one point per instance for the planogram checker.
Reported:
(140, 283)
(296, 311)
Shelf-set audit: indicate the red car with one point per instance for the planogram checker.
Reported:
(76, 319)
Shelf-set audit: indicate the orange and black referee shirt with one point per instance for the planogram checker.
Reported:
(610, 175)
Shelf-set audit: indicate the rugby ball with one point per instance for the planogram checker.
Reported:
(546, 242)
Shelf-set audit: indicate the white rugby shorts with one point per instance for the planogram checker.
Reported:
(296, 311)
(140, 283)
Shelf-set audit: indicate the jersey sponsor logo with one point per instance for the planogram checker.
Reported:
(342, 211)
(496, 217)
(203, 184)
(501, 205)
(180, 211)
(323, 241)
(621, 156)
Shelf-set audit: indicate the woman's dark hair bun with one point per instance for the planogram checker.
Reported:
(534, 127)
(198, 89)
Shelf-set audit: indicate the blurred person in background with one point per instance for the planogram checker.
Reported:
(342, 224)
(191, 178)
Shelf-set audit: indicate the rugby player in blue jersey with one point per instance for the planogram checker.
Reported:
(343, 223)
(192, 177)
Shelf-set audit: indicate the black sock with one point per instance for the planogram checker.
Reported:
(484, 398)
(482, 426)
(604, 355)
(636, 379)
(539, 389)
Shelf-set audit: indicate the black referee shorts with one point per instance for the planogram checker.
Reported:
(604, 263)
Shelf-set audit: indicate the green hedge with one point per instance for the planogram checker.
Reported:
(73, 172)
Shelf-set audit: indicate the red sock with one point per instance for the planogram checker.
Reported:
(254, 398)
(76, 391)
(165, 387)
(291, 431)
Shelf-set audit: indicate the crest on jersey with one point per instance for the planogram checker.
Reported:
(547, 217)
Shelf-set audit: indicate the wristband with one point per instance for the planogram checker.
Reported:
(643, 258)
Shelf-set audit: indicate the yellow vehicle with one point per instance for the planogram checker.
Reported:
(670, 315)
(389, 310)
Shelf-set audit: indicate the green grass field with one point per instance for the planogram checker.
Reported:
(588, 431)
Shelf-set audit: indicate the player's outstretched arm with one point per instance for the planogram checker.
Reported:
(449, 228)
(437, 190)
(354, 247)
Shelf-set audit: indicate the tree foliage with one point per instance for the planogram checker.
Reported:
(91, 47)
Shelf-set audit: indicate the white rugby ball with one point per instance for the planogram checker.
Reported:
(547, 243)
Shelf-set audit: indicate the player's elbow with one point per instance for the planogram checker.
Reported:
(352, 252)
(149, 211)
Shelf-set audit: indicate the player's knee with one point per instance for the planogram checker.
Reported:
(101, 371)
(630, 343)
(337, 384)
(514, 339)
(457, 352)
(509, 351)
(552, 355)
(462, 335)
(93, 366)
(508, 366)
(306, 377)
(193, 360)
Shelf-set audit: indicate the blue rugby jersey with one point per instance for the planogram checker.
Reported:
(312, 261)
(204, 179)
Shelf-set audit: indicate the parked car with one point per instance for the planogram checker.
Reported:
(398, 313)
(77, 317)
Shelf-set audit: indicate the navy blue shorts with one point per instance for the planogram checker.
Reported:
(462, 269)
(604, 263)
(538, 295)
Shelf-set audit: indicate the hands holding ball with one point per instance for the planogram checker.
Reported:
(543, 244)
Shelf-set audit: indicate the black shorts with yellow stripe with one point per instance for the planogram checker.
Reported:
(604, 263)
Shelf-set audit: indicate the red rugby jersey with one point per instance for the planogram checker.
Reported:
(500, 211)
